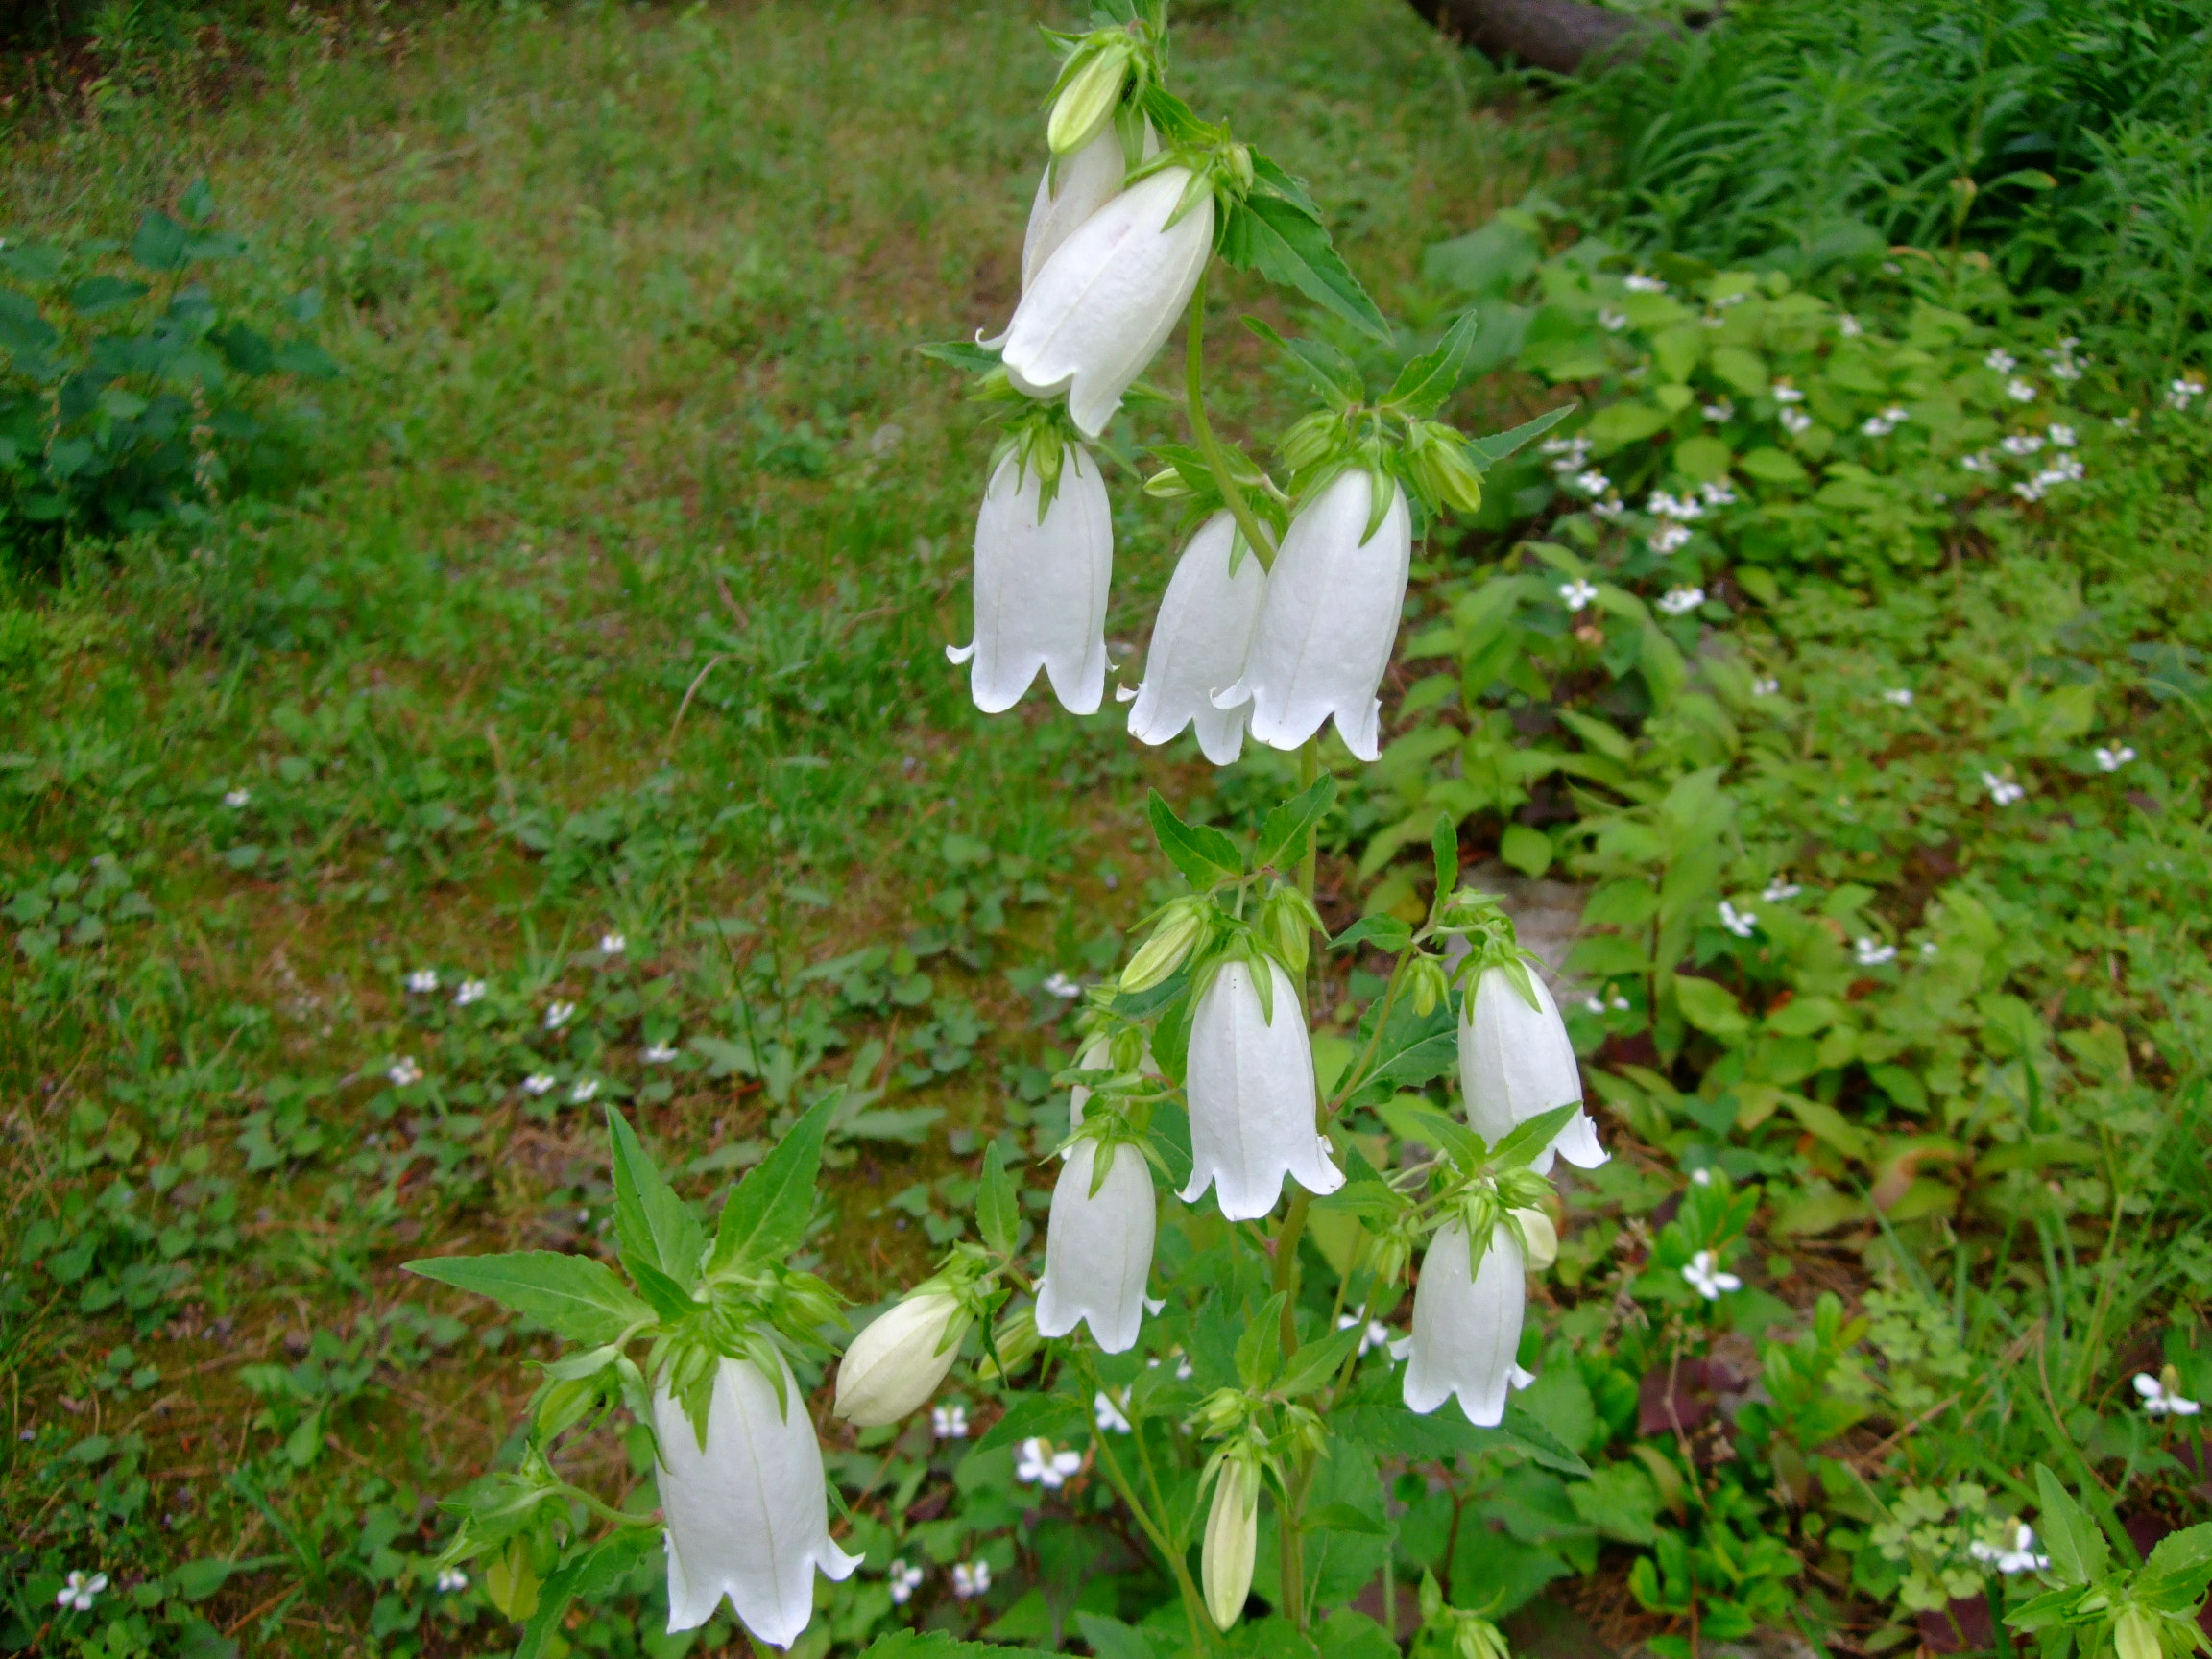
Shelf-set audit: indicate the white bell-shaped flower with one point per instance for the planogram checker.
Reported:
(1250, 1084)
(1069, 194)
(1199, 644)
(1515, 1062)
(1099, 1249)
(1330, 620)
(1100, 309)
(1467, 1327)
(894, 1365)
(748, 1517)
(1041, 587)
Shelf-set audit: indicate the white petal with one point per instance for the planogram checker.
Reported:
(894, 1365)
(1330, 620)
(1253, 1101)
(1515, 1062)
(1041, 587)
(1103, 304)
(1466, 1330)
(748, 1516)
(1098, 1251)
(1088, 179)
(1199, 643)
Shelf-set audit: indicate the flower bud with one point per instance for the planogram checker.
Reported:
(1425, 984)
(896, 1364)
(1017, 1341)
(1286, 921)
(1541, 1237)
(511, 1581)
(1171, 942)
(2133, 1635)
(1441, 463)
(1232, 1541)
(1086, 104)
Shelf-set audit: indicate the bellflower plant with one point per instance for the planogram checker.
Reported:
(1196, 1096)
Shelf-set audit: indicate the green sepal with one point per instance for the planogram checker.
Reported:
(1206, 856)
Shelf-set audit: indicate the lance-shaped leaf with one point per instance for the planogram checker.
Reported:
(1531, 1136)
(2079, 1552)
(573, 1296)
(1444, 847)
(1425, 384)
(1432, 1129)
(1203, 854)
(766, 1215)
(588, 1574)
(1041, 1417)
(652, 1224)
(998, 1217)
(1277, 231)
(1283, 834)
(962, 355)
(1382, 930)
(1334, 375)
(1316, 1363)
(1259, 1350)
(1489, 452)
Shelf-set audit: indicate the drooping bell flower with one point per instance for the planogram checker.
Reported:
(1516, 1063)
(1250, 1083)
(1467, 1327)
(1199, 644)
(747, 1513)
(1098, 1246)
(1100, 309)
(1070, 193)
(1041, 584)
(1226, 1558)
(894, 1365)
(1329, 619)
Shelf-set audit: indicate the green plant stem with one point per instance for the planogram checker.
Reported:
(1355, 1073)
(1193, 1603)
(1210, 446)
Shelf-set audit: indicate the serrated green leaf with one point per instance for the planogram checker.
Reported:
(652, 1224)
(1425, 384)
(1045, 1416)
(1316, 1363)
(1259, 1350)
(962, 355)
(573, 1296)
(1530, 1137)
(589, 1573)
(766, 1215)
(1444, 848)
(1282, 833)
(1334, 375)
(1489, 452)
(2079, 1552)
(1277, 231)
(160, 243)
(936, 1645)
(1384, 931)
(1204, 854)
(997, 1216)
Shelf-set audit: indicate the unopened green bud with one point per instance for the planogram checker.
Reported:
(2134, 1636)
(1226, 1559)
(1425, 984)
(1311, 441)
(1443, 468)
(1539, 1238)
(565, 1404)
(1286, 921)
(510, 1581)
(1087, 102)
(1015, 1340)
(1171, 942)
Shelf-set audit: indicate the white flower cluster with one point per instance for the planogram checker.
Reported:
(1795, 422)
(2065, 364)
(1577, 593)
(2184, 390)
(2113, 759)
(1883, 424)
(1680, 601)
(1740, 923)
(2021, 1557)
(1637, 282)
(1663, 504)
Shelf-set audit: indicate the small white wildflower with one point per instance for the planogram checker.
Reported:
(583, 1089)
(538, 1083)
(1577, 593)
(903, 1581)
(1639, 283)
(1873, 953)
(1849, 327)
(2029, 488)
(1929, 951)
(1977, 461)
(1667, 506)
(2161, 1399)
(971, 1579)
(948, 1422)
(422, 980)
(1780, 889)
(1377, 1334)
(81, 1590)
(1796, 423)
(2113, 759)
(2124, 423)
(1611, 321)
(1595, 1003)
(1876, 427)
(1717, 494)
(1901, 697)
(2062, 437)
(1999, 360)
(2002, 790)
(1740, 923)
(1705, 1277)
(470, 991)
(1701, 1177)
(1110, 1415)
(452, 1581)
(1062, 987)
(2065, 369)
(1038, 1464)
(660, 1054)
(237, 798)
(2066, 469)
(2184, 390)
(1667, 538)
(2020, 391)
(1765, 686)
(405, 1072)
(1785, 392)
(2020, 444)
(1677, 601)
(1727, 300)
(1720, 412)
(2021, 1557)
(559, 1015)
(613, 944)
(1621, 1002)
(1591, 483)
(1612, 509)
